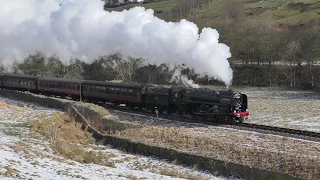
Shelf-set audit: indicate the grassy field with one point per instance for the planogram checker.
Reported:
(280, 154)
(41, 143)
(292, 12)
(284, 108)
(270, 106)
(162, 6)
(158, 7)
(279, 11)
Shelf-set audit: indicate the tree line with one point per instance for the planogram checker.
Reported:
(114, 67)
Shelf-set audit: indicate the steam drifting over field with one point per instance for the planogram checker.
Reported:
(82, 29)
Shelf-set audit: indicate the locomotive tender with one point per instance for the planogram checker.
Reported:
(224, 105)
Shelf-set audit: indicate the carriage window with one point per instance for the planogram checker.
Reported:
(111, 90)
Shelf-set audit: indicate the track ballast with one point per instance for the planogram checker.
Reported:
(264, 129)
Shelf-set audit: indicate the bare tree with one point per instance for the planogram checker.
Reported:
(33, 65)
(74, 70)
(54, 67)
(128, 68)
(292, 57)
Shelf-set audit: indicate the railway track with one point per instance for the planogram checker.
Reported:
(309, 135)
(264, 129)
(286, 132)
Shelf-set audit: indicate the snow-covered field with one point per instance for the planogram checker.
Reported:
(250, 148)
(284, 108)
(27, 155)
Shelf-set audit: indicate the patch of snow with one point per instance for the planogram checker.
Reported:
(26, 157)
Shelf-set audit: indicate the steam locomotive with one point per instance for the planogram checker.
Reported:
(224, 105)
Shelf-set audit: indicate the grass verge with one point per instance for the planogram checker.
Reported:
(67, 139)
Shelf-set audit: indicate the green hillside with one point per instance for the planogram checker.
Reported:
(291, 12)
(281, 11)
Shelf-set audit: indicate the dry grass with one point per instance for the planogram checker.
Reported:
(4, 105)
(298, 158)
(11, 172)
(292, 156)
(171, 172)
(131, 177)
(101, 110)
(70, 140)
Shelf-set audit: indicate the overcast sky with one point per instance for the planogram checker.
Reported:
(61, 1)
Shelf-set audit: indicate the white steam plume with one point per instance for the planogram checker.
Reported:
(82, 29)
(179, 78)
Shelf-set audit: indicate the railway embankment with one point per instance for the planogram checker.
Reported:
(223, 152)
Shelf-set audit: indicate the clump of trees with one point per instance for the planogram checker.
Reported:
(114, 67)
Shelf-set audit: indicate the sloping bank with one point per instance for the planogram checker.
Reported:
(90, 116)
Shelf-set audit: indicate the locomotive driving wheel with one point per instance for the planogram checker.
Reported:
(204, 109)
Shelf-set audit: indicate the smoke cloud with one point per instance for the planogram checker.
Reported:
(179, 78)
(82, 29)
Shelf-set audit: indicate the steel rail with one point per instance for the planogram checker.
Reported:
(264, 129)
(281, 130)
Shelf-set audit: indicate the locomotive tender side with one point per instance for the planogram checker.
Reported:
(158, 97)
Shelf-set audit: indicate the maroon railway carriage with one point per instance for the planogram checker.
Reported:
(59, 87)
(19, 82)
(129, 94)
(1, 77)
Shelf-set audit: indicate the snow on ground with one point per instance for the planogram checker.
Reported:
(284, 108)
(27, 155)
